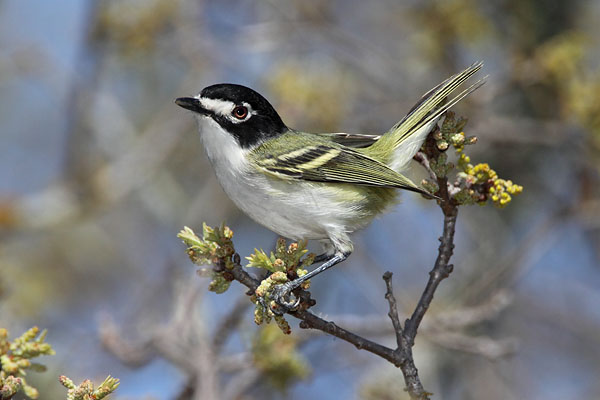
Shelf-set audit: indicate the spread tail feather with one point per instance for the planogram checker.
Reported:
(407, 135)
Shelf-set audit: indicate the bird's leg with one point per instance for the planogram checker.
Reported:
(322, 257)
(282, 291)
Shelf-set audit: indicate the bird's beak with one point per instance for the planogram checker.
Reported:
(192, 104)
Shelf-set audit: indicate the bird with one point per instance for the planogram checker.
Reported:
(312, 186)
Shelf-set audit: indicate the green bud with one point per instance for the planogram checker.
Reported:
(429, 185)
(457, 139)
(259, 314)
(66, 382)
(279, 277)
(219, 284)
(283, 324)
(471, 140)
(279, 265)
(280, 246)
(109, 385)
(10, 386)
(30, 391)
(442, 145)
(460, 124)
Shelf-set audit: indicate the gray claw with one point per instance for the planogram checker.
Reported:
(279, 294)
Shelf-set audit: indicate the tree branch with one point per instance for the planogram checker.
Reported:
(310, 320)
(393, 314)
(404, 349)
(440, 271)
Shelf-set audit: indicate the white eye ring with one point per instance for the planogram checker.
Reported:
(240, 112)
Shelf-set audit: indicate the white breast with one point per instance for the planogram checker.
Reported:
(298, 210)
(222, 149)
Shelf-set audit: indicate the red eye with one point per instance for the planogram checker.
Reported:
(240, 112)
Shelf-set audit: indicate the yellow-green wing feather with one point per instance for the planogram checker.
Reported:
(314, 158)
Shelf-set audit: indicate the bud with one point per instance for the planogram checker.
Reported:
(442, 145)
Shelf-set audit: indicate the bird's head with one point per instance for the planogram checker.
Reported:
(238, 110)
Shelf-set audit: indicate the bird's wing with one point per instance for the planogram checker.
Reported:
(351, 139)
(316, 160)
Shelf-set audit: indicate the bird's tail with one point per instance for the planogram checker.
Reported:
(406, 137)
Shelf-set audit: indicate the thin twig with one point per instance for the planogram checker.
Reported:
(440, 271)
(312, 321)
(393, 314)
(422, 159)
(404, 350)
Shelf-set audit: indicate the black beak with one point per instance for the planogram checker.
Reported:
(192, 104)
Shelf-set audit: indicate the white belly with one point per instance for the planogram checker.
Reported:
(298, 210)
(295, 210)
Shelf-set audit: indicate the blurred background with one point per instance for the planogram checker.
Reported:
(99, 170)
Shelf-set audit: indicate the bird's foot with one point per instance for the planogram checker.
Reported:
(275, 294)
(277, 299)
(281, 296)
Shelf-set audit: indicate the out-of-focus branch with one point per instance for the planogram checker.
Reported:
(516, 263)
(468, 316)
(228, 324)
(480, 345)
(182, 341)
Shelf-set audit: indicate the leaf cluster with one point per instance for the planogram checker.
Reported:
(286, 263)
(285, 258)
(16, 356)
(215, 248)
(85, 390)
